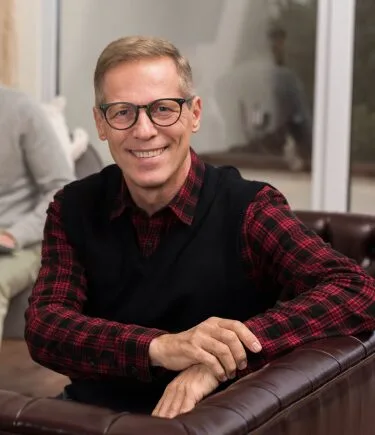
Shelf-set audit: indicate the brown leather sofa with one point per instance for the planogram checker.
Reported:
(326, 387)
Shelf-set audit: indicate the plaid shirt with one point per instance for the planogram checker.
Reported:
(332, 295)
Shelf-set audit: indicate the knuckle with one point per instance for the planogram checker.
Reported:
(229, 335)
(195, 336)
(237, 324)
(171, 388)
(214, 364)
(180, 388)
(222, 351)
(212, 320)
(200, 355)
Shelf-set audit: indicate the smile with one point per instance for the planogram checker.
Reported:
(148, 154)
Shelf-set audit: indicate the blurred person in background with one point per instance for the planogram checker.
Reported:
(296, 128)
(33, 167)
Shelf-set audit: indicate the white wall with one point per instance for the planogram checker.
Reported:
(214, 34)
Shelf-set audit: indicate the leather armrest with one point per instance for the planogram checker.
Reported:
(262, 397)
(259, 402)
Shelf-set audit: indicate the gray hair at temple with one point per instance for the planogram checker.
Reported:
(133, 48)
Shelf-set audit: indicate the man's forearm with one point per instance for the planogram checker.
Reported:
(81, 346)
(330, 309)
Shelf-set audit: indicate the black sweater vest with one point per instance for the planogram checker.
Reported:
(196, 272)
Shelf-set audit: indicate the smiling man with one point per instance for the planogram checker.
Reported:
(164, 279)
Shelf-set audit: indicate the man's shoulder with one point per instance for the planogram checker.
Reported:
(235, 183)
(95, 184)
(235, 190)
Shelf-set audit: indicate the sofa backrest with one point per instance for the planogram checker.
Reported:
(349, 233)
(326, 387)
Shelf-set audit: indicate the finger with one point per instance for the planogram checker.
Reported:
(188, 404)
(234, 344)
(156, 411)
(223, 353)
(172, 403)
(175, 405)
(164, 400)
(243, 333)
(211, 362)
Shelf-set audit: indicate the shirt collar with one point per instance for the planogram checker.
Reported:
(184, 203)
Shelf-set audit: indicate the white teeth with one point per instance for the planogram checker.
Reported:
(148, 154)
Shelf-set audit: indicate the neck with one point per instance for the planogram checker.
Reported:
(153, 199)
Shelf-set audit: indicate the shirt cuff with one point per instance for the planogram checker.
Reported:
(255, 361)
(137, 362)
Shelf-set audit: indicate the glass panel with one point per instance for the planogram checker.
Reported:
(253, 64)
(362, 186)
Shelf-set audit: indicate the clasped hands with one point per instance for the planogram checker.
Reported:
(206, 355)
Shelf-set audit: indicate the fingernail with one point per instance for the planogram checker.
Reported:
(256, 346)
(243, 365)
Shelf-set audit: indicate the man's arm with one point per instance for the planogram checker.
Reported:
(59, 336)
(48, 167)
(330, 295)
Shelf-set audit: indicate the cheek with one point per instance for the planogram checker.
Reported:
(116, 138)
(182, 130)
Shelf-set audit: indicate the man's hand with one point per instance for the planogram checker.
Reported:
(217, 343)
(7, 241)
(185, 391)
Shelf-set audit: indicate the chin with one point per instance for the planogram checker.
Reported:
(150, 182)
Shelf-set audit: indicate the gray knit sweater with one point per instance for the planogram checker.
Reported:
(32, 166)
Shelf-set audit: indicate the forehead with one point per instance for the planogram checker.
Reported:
(142, 81)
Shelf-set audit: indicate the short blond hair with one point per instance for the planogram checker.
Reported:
(132, 48)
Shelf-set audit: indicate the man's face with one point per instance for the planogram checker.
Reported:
(149, 156)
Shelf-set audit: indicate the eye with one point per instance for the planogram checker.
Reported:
(162, 108)
(122, 112)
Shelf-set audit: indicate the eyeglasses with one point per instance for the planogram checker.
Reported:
(163, 112)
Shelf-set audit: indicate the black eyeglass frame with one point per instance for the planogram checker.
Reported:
(105, 106)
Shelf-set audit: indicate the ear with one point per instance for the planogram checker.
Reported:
(196, 109)
(100, 123)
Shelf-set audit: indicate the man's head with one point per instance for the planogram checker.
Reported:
(136, 48)
(150, 144)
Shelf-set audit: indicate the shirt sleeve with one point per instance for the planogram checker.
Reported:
(327, 294)
(48, 166)
(60, 337)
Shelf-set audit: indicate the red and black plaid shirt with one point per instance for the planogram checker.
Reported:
(332, 295)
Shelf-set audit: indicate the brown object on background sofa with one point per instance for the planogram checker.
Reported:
(325, 387)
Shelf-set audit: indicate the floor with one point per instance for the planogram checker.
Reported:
(19, 373)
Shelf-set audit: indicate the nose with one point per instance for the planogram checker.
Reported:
(144, 128)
